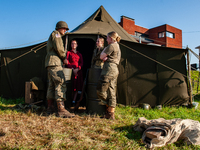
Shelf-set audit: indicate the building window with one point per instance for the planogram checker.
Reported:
(140, 34)
(168, 34)
(161, 34)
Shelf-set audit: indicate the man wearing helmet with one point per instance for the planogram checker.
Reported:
(53, 62)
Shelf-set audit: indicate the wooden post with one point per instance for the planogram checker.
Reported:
(189, 78)
(28, 98)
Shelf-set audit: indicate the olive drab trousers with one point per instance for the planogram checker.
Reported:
(57, 85)
(107, 85)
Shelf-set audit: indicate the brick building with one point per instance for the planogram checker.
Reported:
(164, 35)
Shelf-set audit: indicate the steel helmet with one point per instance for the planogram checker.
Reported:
(62, 24)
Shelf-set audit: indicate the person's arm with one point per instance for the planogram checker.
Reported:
(58, 45)
(80, 62)
(106, 52)
(65, 62)
(68, 60)
(103, 56)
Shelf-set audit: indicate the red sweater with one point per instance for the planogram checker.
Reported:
(75, 60)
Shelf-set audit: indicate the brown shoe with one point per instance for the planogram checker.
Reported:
(50, 108)
(62, 112)
(110, 113)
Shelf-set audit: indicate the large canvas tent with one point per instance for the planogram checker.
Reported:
(147, 74)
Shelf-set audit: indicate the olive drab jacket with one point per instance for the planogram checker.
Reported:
(96, 62)
(55, 50)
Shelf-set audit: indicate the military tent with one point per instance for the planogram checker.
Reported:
(147, 74)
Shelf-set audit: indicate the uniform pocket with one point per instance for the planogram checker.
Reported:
(104, 83)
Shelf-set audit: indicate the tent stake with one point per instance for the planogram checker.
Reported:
(189, 78)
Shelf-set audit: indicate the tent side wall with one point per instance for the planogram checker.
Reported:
(14, 74)
(172, 85)
(142, 80)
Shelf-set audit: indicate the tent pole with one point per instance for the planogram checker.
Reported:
(189, 78)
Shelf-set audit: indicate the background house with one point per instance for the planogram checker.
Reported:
(164, 35)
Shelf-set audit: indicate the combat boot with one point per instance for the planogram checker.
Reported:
(50, 108)
(110, 113)
(62, 112)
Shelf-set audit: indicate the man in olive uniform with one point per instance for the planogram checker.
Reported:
(53, 62)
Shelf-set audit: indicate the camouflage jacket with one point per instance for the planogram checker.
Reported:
(55, 50)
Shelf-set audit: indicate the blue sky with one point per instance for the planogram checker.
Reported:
(27, 22)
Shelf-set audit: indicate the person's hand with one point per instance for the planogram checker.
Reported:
(65, 61)
(75, 71)
(105, 58)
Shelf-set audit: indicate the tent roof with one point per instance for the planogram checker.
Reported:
(100, 22)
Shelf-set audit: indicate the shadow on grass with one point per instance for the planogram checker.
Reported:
(131, 134)
(6, 104)
(24, 108)
(38, 109)
(18, 105)
(197, 98)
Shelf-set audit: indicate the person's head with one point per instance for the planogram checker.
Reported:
(100, 42)
(62, 27)
(74, 44)
(113, 37)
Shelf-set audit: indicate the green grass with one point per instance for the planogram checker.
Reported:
(194, 81)
(26, 129)
(4, 102)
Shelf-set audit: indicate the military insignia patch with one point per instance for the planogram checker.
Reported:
(58, 35)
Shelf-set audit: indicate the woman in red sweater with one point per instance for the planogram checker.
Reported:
(74, 60)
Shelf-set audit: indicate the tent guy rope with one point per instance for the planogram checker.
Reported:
(23, 44)
(153, 59)
(32, 49)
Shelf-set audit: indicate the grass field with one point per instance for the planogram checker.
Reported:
(195, 81)
(29, 129)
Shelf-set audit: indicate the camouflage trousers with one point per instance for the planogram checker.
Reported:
(106, 90)
(57, 85)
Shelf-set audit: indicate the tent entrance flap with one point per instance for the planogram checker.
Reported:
(85, 47)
